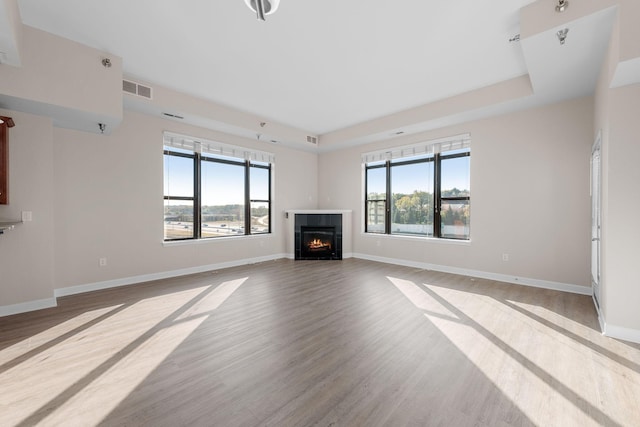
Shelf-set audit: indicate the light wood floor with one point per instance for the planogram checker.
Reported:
(317, 343)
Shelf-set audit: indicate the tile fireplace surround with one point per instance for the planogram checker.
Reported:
(347, 229)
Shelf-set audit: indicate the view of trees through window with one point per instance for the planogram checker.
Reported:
(427, 196)
(412, 213)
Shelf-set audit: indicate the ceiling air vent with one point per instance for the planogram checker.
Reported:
(312, 139)
(129, 87)
(136, 89)
(144, 91)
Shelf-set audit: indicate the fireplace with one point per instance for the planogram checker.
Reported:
(318, 236)
(317, 242)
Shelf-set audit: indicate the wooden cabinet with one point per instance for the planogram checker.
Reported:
(4, 165)
(6, 123)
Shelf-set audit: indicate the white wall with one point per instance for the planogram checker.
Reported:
(616, 117)
(96, 196)
(109, 204)
(65, 80)
(26, 252)
(529, 196)
(621, 284)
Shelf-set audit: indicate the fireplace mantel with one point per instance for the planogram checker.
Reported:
(290, 215)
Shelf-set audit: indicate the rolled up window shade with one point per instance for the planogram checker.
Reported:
(204, 146)
(426, 148)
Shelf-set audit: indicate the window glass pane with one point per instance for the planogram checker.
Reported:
(215, 225)
(178, 176)
(259, 183)
(222, 198)
(412, 199)
(376, 184)
(375, 216)
(455, 177)
(259, 217)
(178, 219)
(455, 219)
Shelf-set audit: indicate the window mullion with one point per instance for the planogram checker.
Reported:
(197, 188)
(437, 202)
(247, 197)
(270, 198)
(366, 199)
(387, 213)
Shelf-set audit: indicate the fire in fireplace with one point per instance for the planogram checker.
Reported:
(318, 236)
(318, 242)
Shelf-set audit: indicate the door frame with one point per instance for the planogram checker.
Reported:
(595, 191)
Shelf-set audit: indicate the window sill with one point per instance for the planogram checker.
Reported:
(405, 237)
(170, 243)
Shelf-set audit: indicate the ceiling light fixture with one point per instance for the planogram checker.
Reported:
(562, 5)
(263, 8)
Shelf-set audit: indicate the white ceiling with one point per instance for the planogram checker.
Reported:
(348, 71)
(319, 66)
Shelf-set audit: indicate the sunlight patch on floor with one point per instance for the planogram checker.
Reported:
(51, 334)
(213, 300)
(420, 299)
(481, 330)
(81, 354)
(108, 390)
(90, 377)
(556, 318)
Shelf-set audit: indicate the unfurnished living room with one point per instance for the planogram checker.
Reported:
(329, 213)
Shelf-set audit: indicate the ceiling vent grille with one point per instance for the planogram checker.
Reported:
(136, 89)
(129, 87)
(312, 139)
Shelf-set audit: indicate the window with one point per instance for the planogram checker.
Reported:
(214, 190)
(421, 190)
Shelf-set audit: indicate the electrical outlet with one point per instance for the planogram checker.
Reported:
(505, 257)
(103, 262)
(27, 216)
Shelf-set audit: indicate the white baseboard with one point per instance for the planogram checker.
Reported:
(73, 290)
(526, 281)
(96, 286)
(620, 332)
(8, 310)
